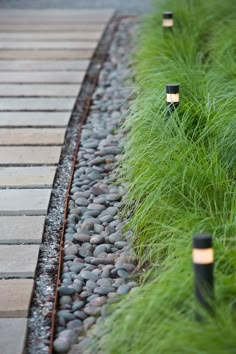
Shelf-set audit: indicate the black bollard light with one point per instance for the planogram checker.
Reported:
(172, 97)
(168, 20)
(203, 263)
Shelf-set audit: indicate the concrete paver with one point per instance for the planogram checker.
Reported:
(47, 45)
(52, 27)
(46, 54)
(53, 13)
(21, 229)
(29, 155)
(31, 119)
(39, 90)
(13, 333)
(36, 104)
(43, 65)
(24, 201)
(15, 297)
(32, 136)
(18, 261)
(51, 36)
(27, 177)
(61, 77)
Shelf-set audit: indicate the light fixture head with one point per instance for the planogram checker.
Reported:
(172, 94)
(168, 19)
(203, 249)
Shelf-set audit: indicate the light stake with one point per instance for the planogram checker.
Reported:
(168, 20)
(172, 96)
(203, 263)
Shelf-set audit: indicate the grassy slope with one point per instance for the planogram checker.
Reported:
(181, 174)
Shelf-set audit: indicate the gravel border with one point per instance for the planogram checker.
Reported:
(40, 316)
(99, 264)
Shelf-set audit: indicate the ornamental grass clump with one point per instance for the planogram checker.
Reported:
(180, 169)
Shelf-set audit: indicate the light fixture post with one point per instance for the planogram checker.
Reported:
(168, 20)
(172, 97)
(203, 264)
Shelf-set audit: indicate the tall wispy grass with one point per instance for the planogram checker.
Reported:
(181, 177)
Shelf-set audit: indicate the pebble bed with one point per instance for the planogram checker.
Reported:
(98, 263)
(40, 315)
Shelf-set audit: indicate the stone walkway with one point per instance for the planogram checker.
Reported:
(44, 55)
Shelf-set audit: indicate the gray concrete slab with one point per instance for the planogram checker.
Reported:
(29, 155)
(13, 335)
(32, 136)
(31, 119)
(52, 27)
(43, 65)
(18, 261)
(47, 45)
(27, 177)
(15, 297)
(59, 77)
(39, 90)
(37, 104)
(46, 54)
(24, 201)
(56, 14)
(21, 229)
(51, 36)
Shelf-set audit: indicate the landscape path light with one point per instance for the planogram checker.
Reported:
(203, 263)
(168, 20)
(172, 96)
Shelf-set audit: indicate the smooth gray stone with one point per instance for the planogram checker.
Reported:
(115, 237)
(123, 289)
(62, 344)
(77, 267)
(77, 305)
(81, 315)
(63, 290)
(101, 249)
(89, 275)
(88, 322)
(74, 324)
(82, 202)
(97, 239)
(65, 300)
(71, 250)
(123, 274)
(110, 211)
(103, 290)
(66, 314)
(82, 237)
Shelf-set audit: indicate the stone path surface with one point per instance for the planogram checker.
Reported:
(44, 56)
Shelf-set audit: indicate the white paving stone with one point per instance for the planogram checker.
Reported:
(31, 119)
(51, 36)
(18, 261)
(43, 65)
(46, 54)
(59, 77)
(27, 177)
(37, 104)
(57, 14)
(52, 27)
(15, 297)
(21, 229)
(39, 90)
(47, 45)
(32, 136)
(12, 335)
(29, 155)
(24, 201)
